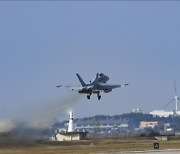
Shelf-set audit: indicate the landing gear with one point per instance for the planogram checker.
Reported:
(88, 96)
(98, 96)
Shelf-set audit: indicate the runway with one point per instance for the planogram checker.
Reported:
(168, 151)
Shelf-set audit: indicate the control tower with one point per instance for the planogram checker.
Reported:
(71, 134)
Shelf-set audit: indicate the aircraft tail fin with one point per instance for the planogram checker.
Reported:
(96, 79)
(81, 80)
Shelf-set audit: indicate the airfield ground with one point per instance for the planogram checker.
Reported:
(85, 147)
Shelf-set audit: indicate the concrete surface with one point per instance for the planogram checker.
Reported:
(168, 151)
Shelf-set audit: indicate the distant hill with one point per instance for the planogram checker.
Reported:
(124, 123)
(132, 119)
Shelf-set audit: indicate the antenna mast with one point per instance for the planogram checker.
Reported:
(175, 96)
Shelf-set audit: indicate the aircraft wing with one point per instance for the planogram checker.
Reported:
(118, 86)
(126, 84)
(73, 88)
(110, 86)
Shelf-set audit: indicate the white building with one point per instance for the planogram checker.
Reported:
(70, 136)
(177, 113)
(137, 110)
(161, 113)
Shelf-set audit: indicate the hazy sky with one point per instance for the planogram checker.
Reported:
(43, 44)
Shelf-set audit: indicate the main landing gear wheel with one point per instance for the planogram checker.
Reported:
(99, 97)
(88, 96)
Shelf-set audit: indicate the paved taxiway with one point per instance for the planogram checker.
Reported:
(168, 151)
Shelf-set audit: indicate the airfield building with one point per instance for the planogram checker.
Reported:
(71, 134)
(137, 111)
(148, 124)
(161, 113)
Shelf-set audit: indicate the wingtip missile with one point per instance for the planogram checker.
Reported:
(58, 86)
(126, 84)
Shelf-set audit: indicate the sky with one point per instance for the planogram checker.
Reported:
(46, 43)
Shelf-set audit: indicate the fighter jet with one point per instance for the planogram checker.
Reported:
(96, 87)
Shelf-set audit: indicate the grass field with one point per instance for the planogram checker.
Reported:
(85, 147)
